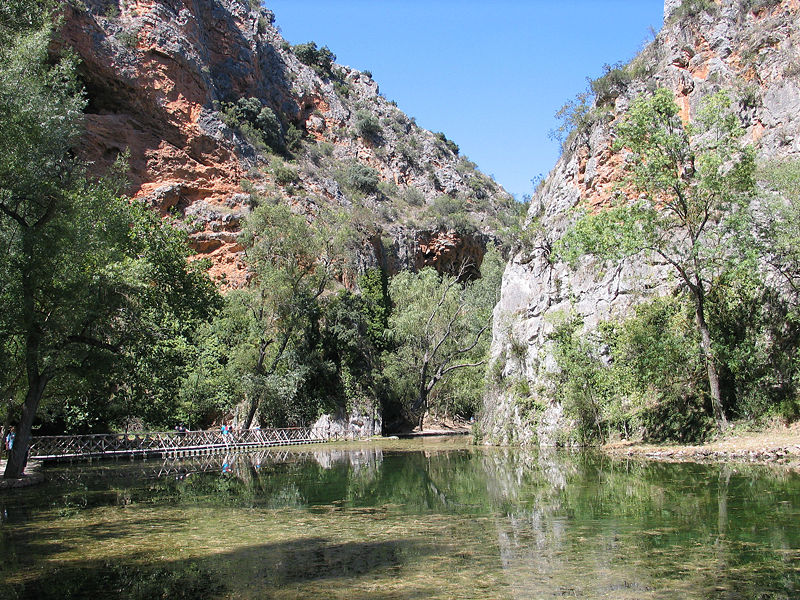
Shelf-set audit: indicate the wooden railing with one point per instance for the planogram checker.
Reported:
(170, 442)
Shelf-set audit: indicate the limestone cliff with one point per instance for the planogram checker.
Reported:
(163, 78)
(750, 48)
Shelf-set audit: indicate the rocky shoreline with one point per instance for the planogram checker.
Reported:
(779, 455)
(778, 444)
(31, 476)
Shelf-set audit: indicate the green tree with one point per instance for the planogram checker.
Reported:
(292, 263)
(439, 325)
(78, 270)
(696, 181)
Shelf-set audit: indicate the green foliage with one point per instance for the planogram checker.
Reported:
(779, 234)
(361, 178)
(258, 123)
(294, 139)
(321, 59)
(413, 197)
(580, 382)
(692, 8)
(367, 125)
(613, 83)
(264, 356)
(450, 212)
(639, 376)
(342, 88)
(128, 38)
(696, 184)
(87, 276)
(575, 117)
(284, 174)
(448, 144)
(440, 327)
(757, 342)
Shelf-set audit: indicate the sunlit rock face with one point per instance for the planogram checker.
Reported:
(358, 424)
(157, 74)
(751, 49)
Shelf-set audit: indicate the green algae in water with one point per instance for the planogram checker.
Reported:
(417, 519)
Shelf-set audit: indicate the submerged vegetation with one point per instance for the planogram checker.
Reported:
(426, 518)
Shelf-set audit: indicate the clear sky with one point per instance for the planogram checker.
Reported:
(490, 75)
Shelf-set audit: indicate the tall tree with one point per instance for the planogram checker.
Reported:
(80, 263)
(694, 184)
(291, 262)
(440, 327)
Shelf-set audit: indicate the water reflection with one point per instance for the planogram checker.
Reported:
(421, 520)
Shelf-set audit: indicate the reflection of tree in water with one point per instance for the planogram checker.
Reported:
(556, 524)
(595, 527)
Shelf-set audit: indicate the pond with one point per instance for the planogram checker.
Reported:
(403, 519)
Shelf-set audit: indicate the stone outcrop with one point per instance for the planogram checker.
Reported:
(751, 49)
(158, 75)
(354, 426)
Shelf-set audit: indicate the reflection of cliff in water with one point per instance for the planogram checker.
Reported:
(587, 526)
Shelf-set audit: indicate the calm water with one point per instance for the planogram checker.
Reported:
(421, 519)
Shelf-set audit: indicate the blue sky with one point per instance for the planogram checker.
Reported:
(490, 75)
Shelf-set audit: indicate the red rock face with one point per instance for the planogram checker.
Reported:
(155, 72)
(143, 100)
(450, 252)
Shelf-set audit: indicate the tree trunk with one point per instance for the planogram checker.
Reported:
(711, 365)
(421, 404)
(19, 453)
(251, 412)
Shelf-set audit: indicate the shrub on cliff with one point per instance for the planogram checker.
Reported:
(611, 84)
(320, 59)
(367, 126)
(258, 123)
(692, 8)
(446, 143)
(360, 178)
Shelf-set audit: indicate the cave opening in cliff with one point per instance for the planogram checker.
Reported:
(101, 98)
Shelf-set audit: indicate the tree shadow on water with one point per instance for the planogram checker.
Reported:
(266, 566)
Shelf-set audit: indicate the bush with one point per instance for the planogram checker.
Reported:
(576, 116)
(413, 197)
(342, 88)
(614, 81)
(451, 213)
(294, 139)
(320, 59)
(284, 175)
(367, 125)
(259, 123)
(361, 178)
(448, 144)
(692, 8)
(640, 374)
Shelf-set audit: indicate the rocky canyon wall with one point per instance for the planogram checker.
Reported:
(750, 48)
(158, 76)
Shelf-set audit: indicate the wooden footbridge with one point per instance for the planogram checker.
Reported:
(171, 443)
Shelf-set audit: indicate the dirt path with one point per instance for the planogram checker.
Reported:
(778, 444)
